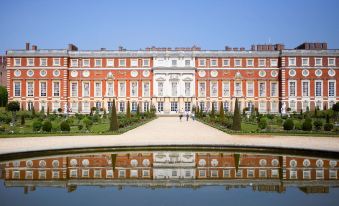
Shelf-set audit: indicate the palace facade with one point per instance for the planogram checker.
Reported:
(267, 77)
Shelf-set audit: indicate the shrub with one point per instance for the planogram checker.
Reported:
(318, 124)
(87, 122)
(297, 125)
(36, 126)
(288, 124)
(236, 117)
(262, 123)
(47, 126)
(80, 127)
(64, 126)
(328, 127)
(307, 125)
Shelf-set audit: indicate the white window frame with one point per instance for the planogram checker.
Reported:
(262, 65)
(236, 94)
(265, 89)
(248, 61)
(307, 63)
(235, 62)
(15, 63)
(110, 62)
(212, 94)
(201, 93)
(83, 89)
(40, 88)
(328, 86)
(53, 82)
(28, 62)
(224, 83)
(290, 59)
(247, 88)
(77, 94)
(107, 91)
(119, 89)
(315, 61)
(75, 107)
(273, 62)
(134, 62)
(200, 62)
(295, 88)
(213, 60)
(315, 88)
(122, 61)
(87, 108)
(27, 94)
(96, 61)
(146, 64)
(144, 94)
(42, 60)
(86, 60)
(131, 89)
(20, 88)
(228, 62)
(276, 89)
(95, 89)
(308, 88)
(42, 174)
(74, 62)
(54, 61)
(328, 62)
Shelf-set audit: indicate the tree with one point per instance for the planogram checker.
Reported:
(64, 126)
(318, 124)
(47, 126)
(3, 96)
(128, 112)
(335, 108)
(262, 123)
(221, 112)
(138, 110)
(33, 112)
(22, 119)
(212, 111)
(236, 117)
(307, 124)
(288, 124)
(114, 119)
(13, 107)
(47, 111)
(197, 112)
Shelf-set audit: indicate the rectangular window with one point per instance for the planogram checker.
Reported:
(262, 173)
(160, 106)
(16, 174)
(122, 62)
(56, 61)
(134, 106)
(292, 106)
(291, 62)
(237, 62)
(110, 62)
(145, 63)
(110, 89)
(318, 89)
(226, 106)
(262, 89)
(202, 89)
(56, 89)
(262, 62)
(74, 107)
(122, 89)
(250, 62)
(226, 62)
(226, 89)
(331, 61)
(85, 107)
(274, 89)
(30, 62)
(250, 173)
(42, 174)
(74, 63)
(30, 89)
(187, 63)
(17, 62)
(333, 174)
(187, 106)
(187, 89)
(238, 89)
(97, 173)
(319, 174)
(174, 106)
(227, 173)
(202, 173)
(74, 89)
(146, 173)
(214, 89)
(202, 106)
(274, 106)
(73, 173)
(250, 89)
(238, 173)
(160, 89)
(122, 173)
(202, 62)
(213, 62)
(318, 61)
(85, 173)
(56, 106)
(305, 62)
(331, 88)
(306, 174)
(109, 173)
(43, 62)
(174, 89)
(174, 62)
(98, 62)
(214, 173)
(134, 62)
(134, 89)
(274, 62)
(305, 88)
(292, 89)
(262, 106)
(133, 173)
(274, 173)
(85, 89)
(146, 106)
(293, 174)
(30, 106)
(121, 106)
(43, 89)
(17, 89)
(55, 174)
(98, 89)
(85, 62)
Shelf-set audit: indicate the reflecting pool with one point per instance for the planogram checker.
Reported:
(170, 177)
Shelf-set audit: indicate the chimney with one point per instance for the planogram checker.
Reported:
(103, 49)
(235, 49)
(72, 47)
(324, 45)
(242, 49)
(121, 48)
(253, 47)
(34, 47)
(27, 45)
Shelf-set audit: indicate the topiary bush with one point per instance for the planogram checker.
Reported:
(87, 123)
(36, 126)
(307, 125)
(297, 125)
(328, 127)
(318, 124)
(47, 126)
(64, 126)
(262, 123)
(288, 124)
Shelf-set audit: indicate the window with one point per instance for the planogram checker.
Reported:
(56, 106)
(43, 62)
(331, 61)
(215, 105)
(202, 89)
(97, 173)
(305, 62)
(122, 89)
(74, 63)
(214, 89)
(238, 173)
(30, 62)
(187, 106)
(333, 174)
(262, 62)
(274, 106)
(250, 89)
(174, 106)
(55, 174)
(145, 173)
(238, 89)
(56, 89)
(237, 62)
(85, 62)
(74, 107)
(202, 62)
(174, 89)
(293, 174)
(213, 62)
(109, 105)
(122, 173)
(318, 61)
(110, 89)
(30, 106)
(187, 63)
(43, 89)
(134, 89)
(160, 89)
(226, 106)
(121, 106)
(202, 106)
(305, 88)
(306, 174)
(146, 106)
(109, 173)
(331, 88)
(226, 62)
(292, 88)
(306, 105)
(42, 105)
(262, 173)
(250, 62)
(145, 63)
(56, 61)
(274, 89)
(274, 173)
(202, 173)
(110, 63)
(214, 173)
(122, 62)
(274, 62)
(74, 89)
(262, 106)
(98, 62)
(17, 62)
(292, 105)
(160, 106)
(85, 88)
(17, 89)
(250, 173)
(134, 173)
(319, 174)
(30, 89)
(318, 88)
(187, 89)
(98, 89)
(174, 62)
(73, 173)
(291, 62)
(134, 106)
(85, 107)
(226, 173)
(134, 62)
(226, 89)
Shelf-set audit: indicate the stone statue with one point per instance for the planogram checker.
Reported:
(65, 109)
(283, 108)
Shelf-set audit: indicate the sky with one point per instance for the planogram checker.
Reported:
(210, 24)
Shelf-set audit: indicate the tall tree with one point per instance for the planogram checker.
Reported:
(213, 111)
(3, 96)
(221, 112)
(138, 109)
(236, 117)
(128, 111)
(114, 119)
(13, 107)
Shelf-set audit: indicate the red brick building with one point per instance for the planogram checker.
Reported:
(268, 77)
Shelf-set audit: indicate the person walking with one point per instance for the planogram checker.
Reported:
(187, 116)
(193, 116)
(180, 116)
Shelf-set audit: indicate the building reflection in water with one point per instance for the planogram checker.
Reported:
(163, 169)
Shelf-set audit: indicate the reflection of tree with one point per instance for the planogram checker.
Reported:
(236, 161)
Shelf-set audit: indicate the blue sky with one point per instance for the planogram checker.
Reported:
(139, 24)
